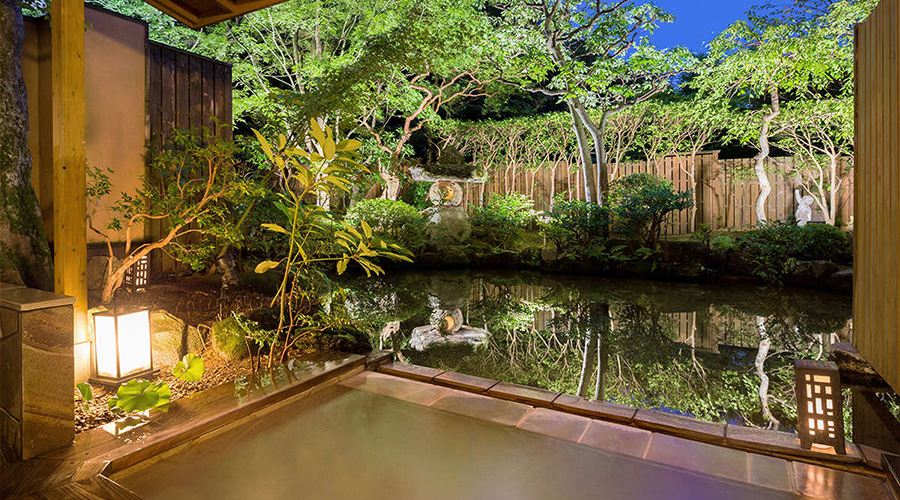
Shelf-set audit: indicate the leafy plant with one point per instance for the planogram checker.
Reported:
(722, 244)
(503, 218)
(775, 248)
(575, 224)
(316, 235)
(640, 204)
(189, 369)
(86, 393)
(190, 188)
(392, 220)
(703, 235)
(140, 395)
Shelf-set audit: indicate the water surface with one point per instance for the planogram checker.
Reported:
(721, 353)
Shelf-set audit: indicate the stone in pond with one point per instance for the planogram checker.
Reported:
(228, 339)
(447, 225)
(172, 338)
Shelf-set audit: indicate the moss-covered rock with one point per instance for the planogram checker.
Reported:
(173, 338)
(228, 339)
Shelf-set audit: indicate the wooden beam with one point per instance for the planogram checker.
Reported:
(69, 175)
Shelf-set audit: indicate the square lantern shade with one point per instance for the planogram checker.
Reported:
(122, 349)
(137, 277)
(820, 414)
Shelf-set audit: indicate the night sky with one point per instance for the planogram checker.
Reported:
(698, 21)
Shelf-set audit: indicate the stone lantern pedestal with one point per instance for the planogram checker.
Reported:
(37, 371)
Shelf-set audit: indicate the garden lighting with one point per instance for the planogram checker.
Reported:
(820, 415)
(122, 349)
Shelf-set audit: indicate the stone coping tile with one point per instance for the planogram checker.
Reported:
(482, 407)
(464, 381)
(555, 424)
(752, 438)
(680, 426)
(615, 437)
(830, 484)
(700, 457)
(595, 409)
(871, 456)
(30, 299)
(386, 385)
(378, 357)
(427, 396)
(133, 439)
(523, 394)
(770, 472)
(407, 370)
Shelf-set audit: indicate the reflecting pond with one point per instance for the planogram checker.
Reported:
(720, 352)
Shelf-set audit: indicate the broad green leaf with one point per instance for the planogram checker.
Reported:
(264, 144)
(84, 389)
(140, 395)
(189, 369)
(349, 145)
(366, 228)
(275, 227)
(266, 265)
(316, 131)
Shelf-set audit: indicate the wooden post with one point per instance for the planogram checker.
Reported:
(69, 176)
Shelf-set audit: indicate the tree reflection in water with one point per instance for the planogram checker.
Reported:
(721, 353)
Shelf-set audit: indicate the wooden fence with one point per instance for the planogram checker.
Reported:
(725, 189)
(876, 297)
(186, 90)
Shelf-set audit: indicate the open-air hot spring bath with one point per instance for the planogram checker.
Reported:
(342, 443)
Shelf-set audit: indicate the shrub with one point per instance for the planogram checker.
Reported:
(640, 204)
(776, 246)
(575, 224)
(503, 218)
(722, 244)
(392, 220)
(417, 195)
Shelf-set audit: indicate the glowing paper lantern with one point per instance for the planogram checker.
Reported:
(820, 414)
(122, 349)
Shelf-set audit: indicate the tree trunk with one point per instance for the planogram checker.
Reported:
(24, 252)
(760, 159)
(584, 151)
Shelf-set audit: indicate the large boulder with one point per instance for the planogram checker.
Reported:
(425, 337)
(447, 225)
(172, 338)
(97, 271)
(228, 339)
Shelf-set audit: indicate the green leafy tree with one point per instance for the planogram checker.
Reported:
(404, 78)
(819, 133)
(591, 55)
(804, 47)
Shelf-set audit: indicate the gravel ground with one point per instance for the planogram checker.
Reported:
(198, 301)
(218, 371)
